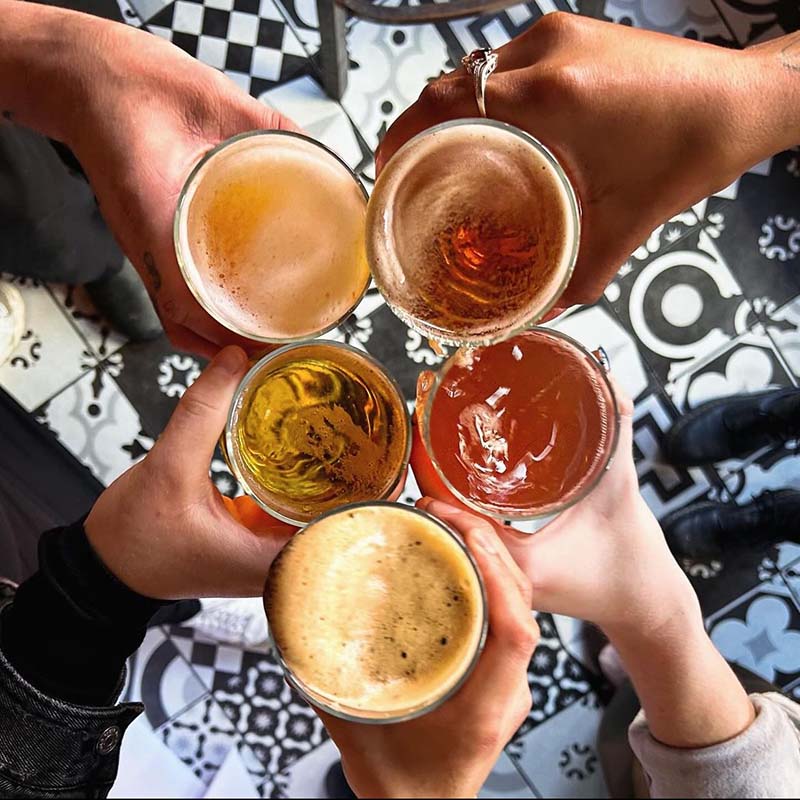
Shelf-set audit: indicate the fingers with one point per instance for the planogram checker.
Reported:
(470, 524)
(199, 419)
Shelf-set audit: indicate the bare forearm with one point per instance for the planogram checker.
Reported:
(690, 696)
(43, 50)
(776, 94)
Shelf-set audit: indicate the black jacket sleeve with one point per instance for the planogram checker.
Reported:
(64, 639)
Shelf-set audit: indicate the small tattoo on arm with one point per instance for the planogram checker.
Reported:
(9, 115)
(152, 270)
(790, 54)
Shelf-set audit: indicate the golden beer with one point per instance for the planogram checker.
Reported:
(315, 426)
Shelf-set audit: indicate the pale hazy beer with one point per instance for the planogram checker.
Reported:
(472, 231)
(315, 426)
(269, 234)
(377, 611)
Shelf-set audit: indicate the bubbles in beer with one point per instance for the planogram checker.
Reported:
(390, 639)
(470, 232)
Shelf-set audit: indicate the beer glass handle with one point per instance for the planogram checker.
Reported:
(602, 358)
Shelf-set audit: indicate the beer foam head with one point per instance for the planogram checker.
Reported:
(472, 231)
(376, 610)
(271, 235)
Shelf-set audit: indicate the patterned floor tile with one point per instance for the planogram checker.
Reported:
(162, 679)
(389, 67)
(750, 364)
(102, 339)
(559, 758)
(143, 10)
(506, 780)
(761, 632)
(307, 776)
(462, 36)
(664, 486)
(696, 19)
(249, 40)
(681, 302)
(783, 326)
(154, 377)
(773, 468)
(753, 21)
(556, 679)
(96, 422)
(51, 354)
(304, 101)
(201, 736)
(271, 718)
(759, 233)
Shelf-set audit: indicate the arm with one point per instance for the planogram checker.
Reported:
(450, 751)
(138, 113)
(605, 560)
(646, 124)
(161, 531)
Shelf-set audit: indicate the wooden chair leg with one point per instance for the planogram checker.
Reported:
(333, 47)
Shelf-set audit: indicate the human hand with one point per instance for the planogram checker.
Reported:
(143, 126)
(450, 751)
(164, 530)
(645, 124)
(604, 559)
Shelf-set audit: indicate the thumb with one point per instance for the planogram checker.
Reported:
(199, 419)
(272, 119)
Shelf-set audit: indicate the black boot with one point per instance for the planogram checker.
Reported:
(709, 530)
(336, 784)
(732, 427)
(122, 299)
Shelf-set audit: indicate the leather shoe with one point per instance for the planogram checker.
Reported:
(709, 530)
(733, 427)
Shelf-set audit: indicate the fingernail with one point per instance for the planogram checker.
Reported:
(231, 360)
(423, 503)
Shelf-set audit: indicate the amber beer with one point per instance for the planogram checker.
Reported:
(378, 612)
(522, 428)
(472, 231)
(314, 426)
(269, 235)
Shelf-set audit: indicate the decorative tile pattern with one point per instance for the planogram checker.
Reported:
(557, 680)
(96, 422)
(761, 632)
(681, 302)
(696, 19)
(201, 736)
(753, 21)
(50, 355)
(759, 233)
(248, 40)
(389, 67)
(559, 758)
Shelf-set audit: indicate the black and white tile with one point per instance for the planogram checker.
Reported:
(761, 631)
(559, 758)
(249, 40)
(752, 21)
(96, 422)
(51, 354)
(696, 19)
(759, 233)
(681, 301)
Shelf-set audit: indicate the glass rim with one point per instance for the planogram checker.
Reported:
(555, 508)
(186, 262)
(350, 714)
(574, 212)
(250, 375)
